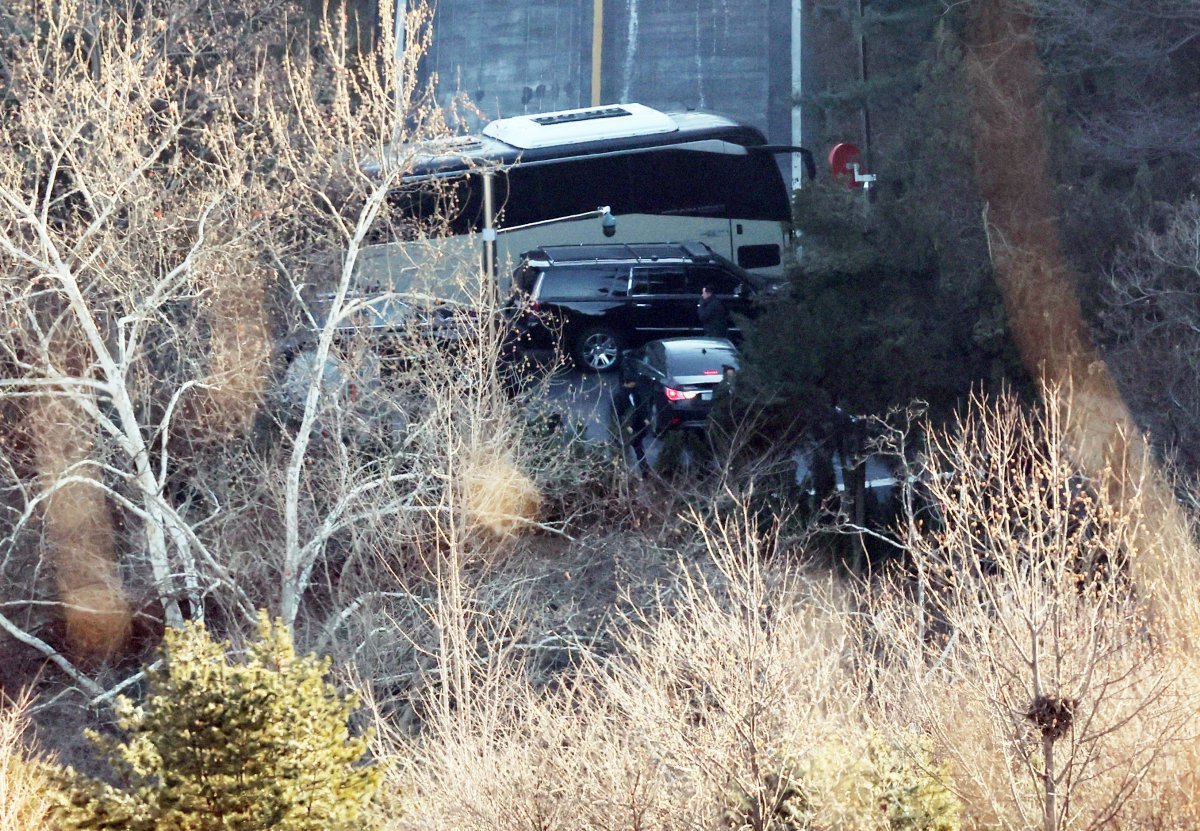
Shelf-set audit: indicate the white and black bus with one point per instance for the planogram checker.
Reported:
(664, 176)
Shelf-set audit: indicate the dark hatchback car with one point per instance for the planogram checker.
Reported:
(677, 379)
(595, 301)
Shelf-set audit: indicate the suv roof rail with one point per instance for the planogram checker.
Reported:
(622, 252)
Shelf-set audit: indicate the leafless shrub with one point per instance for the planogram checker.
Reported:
(1029, 655)
(24, 784)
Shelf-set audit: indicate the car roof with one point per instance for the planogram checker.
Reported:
(641, 253)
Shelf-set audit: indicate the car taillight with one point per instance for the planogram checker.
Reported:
(679, 395)
(712, 372)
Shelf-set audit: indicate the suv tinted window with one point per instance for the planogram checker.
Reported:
(581, 284)
(721, 281)
(660, 280)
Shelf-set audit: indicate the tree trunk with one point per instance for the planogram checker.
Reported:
(1049, 786)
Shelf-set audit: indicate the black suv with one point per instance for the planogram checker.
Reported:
(597, 300)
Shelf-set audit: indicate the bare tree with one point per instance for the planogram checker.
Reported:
(161, 193)
(126, 176)
(1033, 639)
(1118, 63)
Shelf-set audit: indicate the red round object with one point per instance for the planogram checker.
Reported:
(840, 158)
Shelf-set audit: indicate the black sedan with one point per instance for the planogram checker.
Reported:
(675, 379)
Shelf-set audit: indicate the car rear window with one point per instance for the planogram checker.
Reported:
(696, 362)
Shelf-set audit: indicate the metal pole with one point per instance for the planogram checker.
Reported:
(400, 11)
(597, 48)
(489, 227)
(866, 107)
(797, 91)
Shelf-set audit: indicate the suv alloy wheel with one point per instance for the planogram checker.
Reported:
(598, 349)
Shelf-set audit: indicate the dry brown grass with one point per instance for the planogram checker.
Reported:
(24, 787)
(500, 497)
(745, 687)
(734, 669)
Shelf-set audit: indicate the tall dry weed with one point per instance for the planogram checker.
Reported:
(736, 669)
(24, 785)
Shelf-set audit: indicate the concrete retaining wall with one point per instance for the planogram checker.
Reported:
(518, 56)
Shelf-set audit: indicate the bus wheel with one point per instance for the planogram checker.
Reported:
(598, 349)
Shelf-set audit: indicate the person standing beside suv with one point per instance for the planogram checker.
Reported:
(714, 317)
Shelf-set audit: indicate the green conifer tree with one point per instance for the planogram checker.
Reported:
(261, 742)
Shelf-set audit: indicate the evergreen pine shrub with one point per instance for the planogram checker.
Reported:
(861, 783)
(260, 742)
(778, 803)
(874, 783)
(912, 790)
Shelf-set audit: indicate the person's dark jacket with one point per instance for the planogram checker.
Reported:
(714, 317)
(632, 420)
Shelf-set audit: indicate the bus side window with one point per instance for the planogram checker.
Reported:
(578, 185)
(522, 202)
(467, 202)
(682, 183)
(434, 206)
(759, 191)
(758, 256)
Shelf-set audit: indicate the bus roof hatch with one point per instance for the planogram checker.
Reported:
(527, 132)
